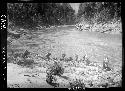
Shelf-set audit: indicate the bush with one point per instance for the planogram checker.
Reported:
(63, 57)
(17, 55)
(68, 59)
(52, 71)
(51, 80)
(77, 84)
(48, 56)
(26, 63)
(106, 66)
(10, 59)
(25, 54)
(55, 69)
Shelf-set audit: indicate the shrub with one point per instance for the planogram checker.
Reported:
(87, 62)
(77, 84)
(17, 55)
(84, 57)
(76, 57)
(25, 55)
(106, 66)
(69, 59)
(10, 59)
(52, 71)
(26, 62)
(55, 69)
(51, 80)
(48, 56)
(119, 83)
(63, 57)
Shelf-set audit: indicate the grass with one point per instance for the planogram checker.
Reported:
(56, 68)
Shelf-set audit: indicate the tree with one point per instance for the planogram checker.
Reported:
(30, 15)
(99, 12)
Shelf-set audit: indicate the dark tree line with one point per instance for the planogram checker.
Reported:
(30, 15)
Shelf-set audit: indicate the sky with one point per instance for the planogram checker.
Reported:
(75, 6)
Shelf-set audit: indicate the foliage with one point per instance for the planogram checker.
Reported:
(55, 69)
(25, 54)
(21, 14)
(106, 65)
(26, 63)
(77, 84)
(99, 12)
(10, 59)
(29, 15)
(50, 80)
(20, 59)
(52, 71)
